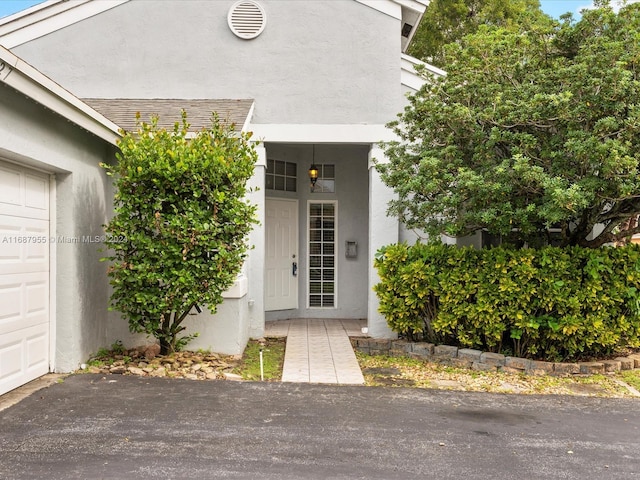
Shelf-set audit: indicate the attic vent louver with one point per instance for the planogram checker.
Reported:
(247, 19)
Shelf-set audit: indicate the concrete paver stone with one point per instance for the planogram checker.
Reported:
(319, 351)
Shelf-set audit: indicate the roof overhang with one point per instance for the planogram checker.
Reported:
(29, 81)
(409, 12)
(410, 78)
(47, 17)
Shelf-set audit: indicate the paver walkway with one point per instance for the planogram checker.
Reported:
(319, 351)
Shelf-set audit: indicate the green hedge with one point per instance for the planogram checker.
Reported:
(553, 303)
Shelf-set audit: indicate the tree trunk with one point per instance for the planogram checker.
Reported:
(165, 347)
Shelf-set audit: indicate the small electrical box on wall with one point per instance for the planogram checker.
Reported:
(351, 250)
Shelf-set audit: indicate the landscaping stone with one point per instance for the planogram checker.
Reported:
(192, 365)
(636, 359)
(626, 363)
(469, 354)
(158, 372)
(590, 368)
(135, 370)
(517, 363)
(566, 368)
(445, 351)
(401, 346)
(397, 353)
(423, 349)
(379, 345)
(152, 351)
(232, 376)
(611, 366)
(495, 359)
(544, 367)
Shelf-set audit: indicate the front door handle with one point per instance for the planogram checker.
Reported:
(294, 269)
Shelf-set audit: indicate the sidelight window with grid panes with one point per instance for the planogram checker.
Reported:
(322, 254)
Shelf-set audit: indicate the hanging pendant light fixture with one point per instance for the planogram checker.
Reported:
(313, 170)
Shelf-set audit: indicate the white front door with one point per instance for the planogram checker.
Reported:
(281, 262)
(24, 275)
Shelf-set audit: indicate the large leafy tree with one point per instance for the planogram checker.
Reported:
(529, 130)
(179, 235)
(448, 21)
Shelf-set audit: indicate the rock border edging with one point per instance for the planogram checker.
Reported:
(487, 361)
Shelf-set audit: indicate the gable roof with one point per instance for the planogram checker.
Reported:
(19, 75)
(47, 17)
(52, 15)
(122, 111)
(408, 75)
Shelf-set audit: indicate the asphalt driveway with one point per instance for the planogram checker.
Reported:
(127, 427)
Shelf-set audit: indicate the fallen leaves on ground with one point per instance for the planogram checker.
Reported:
(380, 370)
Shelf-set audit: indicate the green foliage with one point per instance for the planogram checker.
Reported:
(529, 130)
(117, 347)
(551, 303)
(178, 237)
(447, 21)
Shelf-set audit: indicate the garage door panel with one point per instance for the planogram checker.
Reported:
(24, 356)
(38, 351)
(23, 193)
(37, 301)
(11, 357)
(37, 195)
(11, 181)
(24, 301)
(24, 245)
(24, 276)
(10, 302)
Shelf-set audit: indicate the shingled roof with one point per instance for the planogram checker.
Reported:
(122, 111)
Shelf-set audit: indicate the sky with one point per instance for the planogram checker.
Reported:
(555, 8)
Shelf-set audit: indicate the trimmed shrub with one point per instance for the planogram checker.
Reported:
(554, 303)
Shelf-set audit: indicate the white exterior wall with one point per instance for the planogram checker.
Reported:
(33, 136)
(316, 61)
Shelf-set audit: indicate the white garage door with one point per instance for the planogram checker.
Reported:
(24, 275)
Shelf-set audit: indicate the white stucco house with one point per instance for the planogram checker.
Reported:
(315, 81)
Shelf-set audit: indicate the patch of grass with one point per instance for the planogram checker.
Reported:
(273, 360)
(632, 377)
